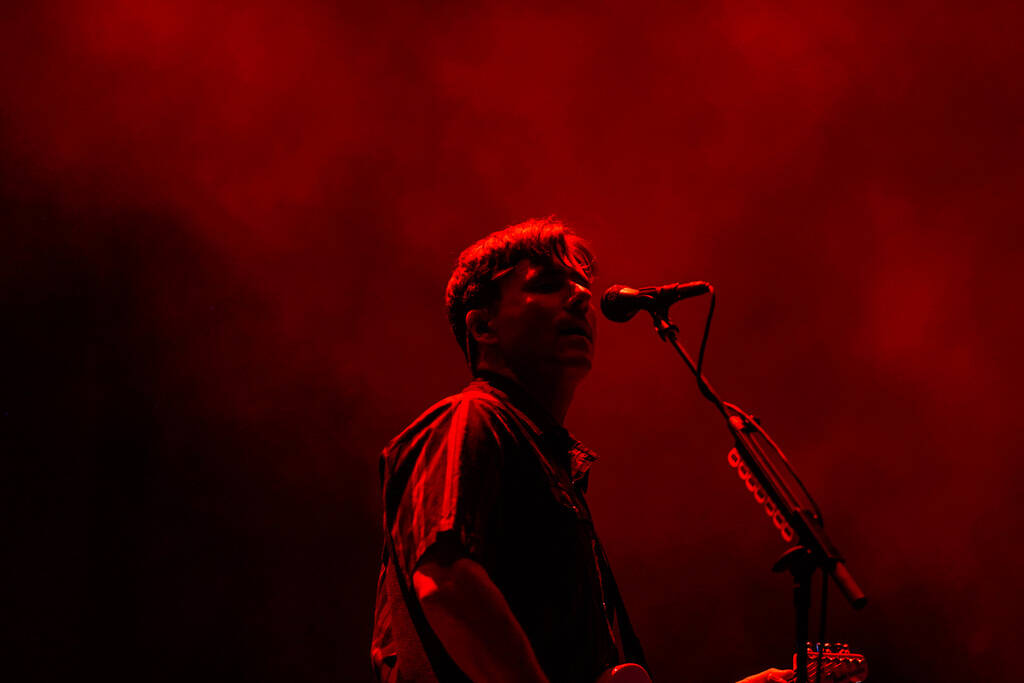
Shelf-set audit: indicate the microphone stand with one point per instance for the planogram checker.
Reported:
(796, 515)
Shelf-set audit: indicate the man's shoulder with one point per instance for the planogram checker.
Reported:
(477, 405)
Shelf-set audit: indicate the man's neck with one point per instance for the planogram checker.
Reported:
(550, 391)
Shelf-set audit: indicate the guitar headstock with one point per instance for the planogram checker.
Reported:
(838, 664)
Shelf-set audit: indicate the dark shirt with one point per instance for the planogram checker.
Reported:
(490, 474)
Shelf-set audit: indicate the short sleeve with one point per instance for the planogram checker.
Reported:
(444, 482)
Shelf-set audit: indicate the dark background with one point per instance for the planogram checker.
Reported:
(226, 233)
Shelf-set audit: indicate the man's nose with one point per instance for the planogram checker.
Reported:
(580, 296)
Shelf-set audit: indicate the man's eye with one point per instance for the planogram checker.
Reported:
(550, 284)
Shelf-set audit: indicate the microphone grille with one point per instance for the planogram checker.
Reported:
(616, 307)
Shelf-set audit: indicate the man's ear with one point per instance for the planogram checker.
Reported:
(478, 326)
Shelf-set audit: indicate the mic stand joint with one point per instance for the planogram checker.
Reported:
(666, 329)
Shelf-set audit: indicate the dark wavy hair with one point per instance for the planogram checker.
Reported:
(473, 284)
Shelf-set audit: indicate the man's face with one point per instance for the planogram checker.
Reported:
(545, 320)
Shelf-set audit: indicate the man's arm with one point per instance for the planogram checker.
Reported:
(771, 676)
(474, 622)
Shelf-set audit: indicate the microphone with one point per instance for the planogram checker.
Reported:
(620, 303)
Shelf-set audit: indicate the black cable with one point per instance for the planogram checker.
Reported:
(670, 333)
(707, 331)
(785, 460)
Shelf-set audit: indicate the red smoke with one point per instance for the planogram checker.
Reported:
(232, 224)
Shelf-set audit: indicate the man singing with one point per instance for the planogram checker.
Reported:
(492, 570)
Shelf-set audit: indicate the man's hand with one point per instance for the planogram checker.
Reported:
(771, 676)
(474, 623)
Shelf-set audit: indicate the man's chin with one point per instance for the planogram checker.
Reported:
(566, 365)
(576, 363)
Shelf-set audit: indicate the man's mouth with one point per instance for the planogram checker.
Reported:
(575, 330)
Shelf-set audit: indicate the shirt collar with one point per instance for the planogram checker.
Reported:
(580, 456)
(521, 399)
